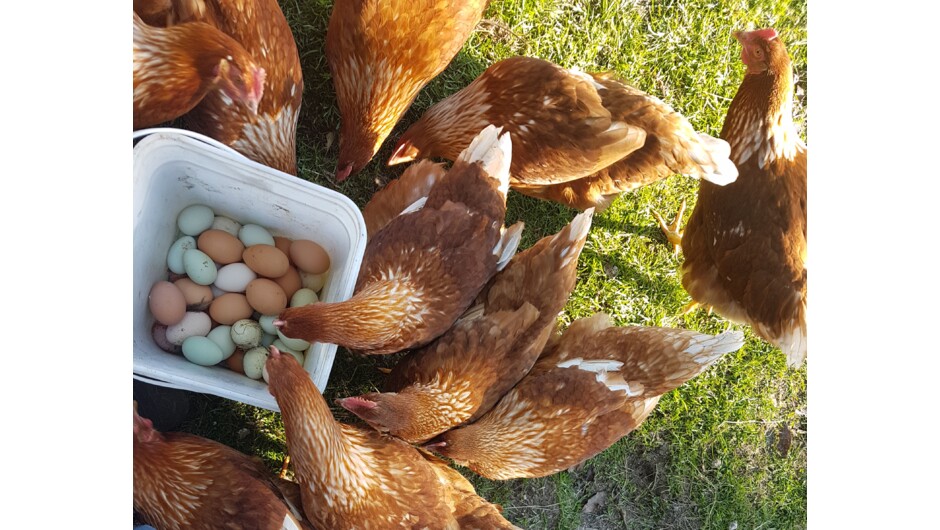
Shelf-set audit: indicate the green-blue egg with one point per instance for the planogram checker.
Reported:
(222, 337)
(195, 219)
(267, 323)
(246, 333)
(294, 344)
(174, 258)
(303, 297)
(254, 361)
(268, 339)
(252, 234)
(199, 267)
(202, 351)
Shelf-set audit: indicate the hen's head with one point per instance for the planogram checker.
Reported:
(143, 428)
(460, 444)
(356, 149)
(382, 411)
(241, 79)
(762, 51)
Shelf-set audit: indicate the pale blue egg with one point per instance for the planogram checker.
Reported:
(174, 258)
(222, 337)
(195, 219)
(252, 234)
(199, 267)
(202, 351)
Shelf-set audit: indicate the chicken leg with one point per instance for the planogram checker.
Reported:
(671, 230)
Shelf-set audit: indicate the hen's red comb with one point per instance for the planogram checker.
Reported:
(356, 402)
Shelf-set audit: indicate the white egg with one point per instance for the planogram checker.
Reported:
(194, 323)
(234, 277)
(226, 224)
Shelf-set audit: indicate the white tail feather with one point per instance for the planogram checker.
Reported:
(508, 243)
(716, 165)
(707, 349)
(494, 152)
(415, 206)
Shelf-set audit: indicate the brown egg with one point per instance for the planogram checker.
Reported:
(283, 244)
(290, 282)
(309, 256)
(167, 303)
(234, 362)
(266, 296)
(229, 308)
(266, 260)
(221, 246)
(197, 296)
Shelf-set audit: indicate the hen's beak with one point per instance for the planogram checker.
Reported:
(343, 173)
(405, 152)
(434, 446)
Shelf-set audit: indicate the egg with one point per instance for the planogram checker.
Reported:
(229, 308)
(197, 296)
(194, 324)
(283, 244)
(222, 247)
(268, 339)
(303, 297)
(294, 344)
(309, 256)
(199, 267)
(266, 260)
(279, 344)
(159, 336)
(234, 278)
(252, 234)
(267, 324)
(174, 258)
(235, 362)
(222, 337)
(202, 351)
(195, 219)
(253, 362)
(266, 296)
(226, 224)
(167, 303)
(246, 334)
(290, 282)
(312, 281)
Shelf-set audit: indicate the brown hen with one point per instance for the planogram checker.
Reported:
(174, 69)
(745, 243)
(269, 135)
(471, 511)
(590, 387)
(352, 477)
(423, 269)
(579, 139)
(183, 481)
(381, 53)
(461, 375)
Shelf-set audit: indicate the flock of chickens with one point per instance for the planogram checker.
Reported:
(487, 380)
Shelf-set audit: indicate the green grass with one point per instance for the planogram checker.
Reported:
(707, 457)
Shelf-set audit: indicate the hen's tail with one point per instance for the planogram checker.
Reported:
(493, 149)
(712, 156)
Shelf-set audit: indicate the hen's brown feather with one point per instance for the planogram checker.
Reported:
(352, 477)
(381, 53)
(183, 481)
(414, 183)
(175, 68)
(591, 386)
(423, 269)
(268, 137)
(580, 139)
(745, 243)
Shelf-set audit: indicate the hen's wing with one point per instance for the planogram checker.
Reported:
(398, 195)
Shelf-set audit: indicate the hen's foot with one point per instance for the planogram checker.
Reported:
(673, 234)
(692, 306)
(284, 466)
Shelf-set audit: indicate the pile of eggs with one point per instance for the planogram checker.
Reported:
(227, 283)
